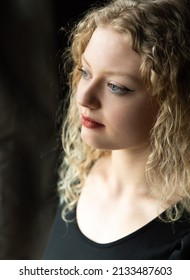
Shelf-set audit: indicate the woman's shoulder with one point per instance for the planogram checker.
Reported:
(181, 244)
(181, 250)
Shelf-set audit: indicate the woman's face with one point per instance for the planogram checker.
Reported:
(116, 110)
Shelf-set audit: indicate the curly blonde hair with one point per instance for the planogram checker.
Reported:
(159, 31)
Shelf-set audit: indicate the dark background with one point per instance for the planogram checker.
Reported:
(31, 98)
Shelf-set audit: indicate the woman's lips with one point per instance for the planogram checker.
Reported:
(90, 123)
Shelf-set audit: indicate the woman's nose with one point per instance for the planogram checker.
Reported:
(87, 95)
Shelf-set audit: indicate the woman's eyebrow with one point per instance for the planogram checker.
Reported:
(85, 60)
(112, 72)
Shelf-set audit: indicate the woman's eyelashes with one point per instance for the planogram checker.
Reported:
(85, 75)
(119, 90)
(114, 89)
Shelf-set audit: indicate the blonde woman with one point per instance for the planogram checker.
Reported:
(125, 178)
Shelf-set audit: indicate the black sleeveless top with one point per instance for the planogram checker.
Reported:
(157, 240)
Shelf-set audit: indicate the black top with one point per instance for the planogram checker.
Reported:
(157, 240)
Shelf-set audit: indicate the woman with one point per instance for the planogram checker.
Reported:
(125, 178)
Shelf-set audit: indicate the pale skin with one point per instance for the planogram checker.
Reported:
(115, 199)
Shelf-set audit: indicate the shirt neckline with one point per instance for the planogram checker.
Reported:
(120, 240)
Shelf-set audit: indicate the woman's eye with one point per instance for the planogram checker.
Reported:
(118, 89)
(84, 73)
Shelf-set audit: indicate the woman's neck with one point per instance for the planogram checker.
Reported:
(127, 170)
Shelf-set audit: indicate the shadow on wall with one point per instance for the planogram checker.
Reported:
(29, 95)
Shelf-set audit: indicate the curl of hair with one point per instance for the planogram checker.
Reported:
(159, 32)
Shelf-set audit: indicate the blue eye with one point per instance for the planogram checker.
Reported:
(84, 73)
(119, 90)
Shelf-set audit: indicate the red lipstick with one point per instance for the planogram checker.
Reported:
(90, 123)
